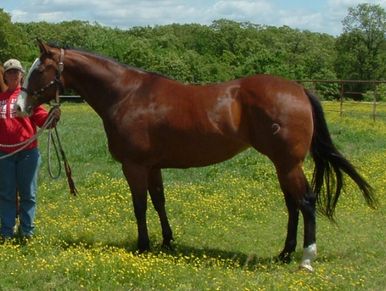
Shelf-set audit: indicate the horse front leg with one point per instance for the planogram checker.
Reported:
(137, 178)
(157, 195)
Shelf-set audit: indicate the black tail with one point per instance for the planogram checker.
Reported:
(330, 165)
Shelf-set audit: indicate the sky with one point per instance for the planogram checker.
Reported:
(313, 15)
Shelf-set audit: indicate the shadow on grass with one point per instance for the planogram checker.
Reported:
(190, 254)
(237, 259)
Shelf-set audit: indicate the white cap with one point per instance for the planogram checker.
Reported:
(13, 64)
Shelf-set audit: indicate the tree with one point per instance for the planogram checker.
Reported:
(12, 39)
(196, 53)
(361, 49)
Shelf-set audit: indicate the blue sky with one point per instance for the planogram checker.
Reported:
(314, 15)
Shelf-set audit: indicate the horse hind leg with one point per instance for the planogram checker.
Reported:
(292, 228)
(307, 207)
(157, 195)
(299, 196)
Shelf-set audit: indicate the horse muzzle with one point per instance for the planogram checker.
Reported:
(22, 109)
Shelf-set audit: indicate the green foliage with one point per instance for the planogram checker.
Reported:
(197, 53)
(12, 39)
(379, 93)
(361, 48)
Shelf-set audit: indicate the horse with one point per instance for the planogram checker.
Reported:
(153, 122)
(3, 86)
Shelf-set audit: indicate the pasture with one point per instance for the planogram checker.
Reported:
(229, 222)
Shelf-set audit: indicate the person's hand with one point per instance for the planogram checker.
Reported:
(55, 113)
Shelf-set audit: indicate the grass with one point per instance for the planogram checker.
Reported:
(229, 221)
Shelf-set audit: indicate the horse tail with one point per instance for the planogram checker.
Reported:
(330, 165)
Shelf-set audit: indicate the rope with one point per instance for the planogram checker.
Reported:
(59, 149)
(51, 141)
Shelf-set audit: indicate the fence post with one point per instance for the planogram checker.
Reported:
(375, 102)
(341, 98)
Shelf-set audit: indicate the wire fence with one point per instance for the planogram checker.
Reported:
(343, 92)
(357, 109)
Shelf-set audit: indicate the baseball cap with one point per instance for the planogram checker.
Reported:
(13, 64)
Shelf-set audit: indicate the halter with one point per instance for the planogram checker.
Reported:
(55, 81)
(56, 105)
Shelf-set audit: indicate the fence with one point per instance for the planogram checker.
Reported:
(377, 108)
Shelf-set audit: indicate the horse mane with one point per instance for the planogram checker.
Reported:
(104, 58)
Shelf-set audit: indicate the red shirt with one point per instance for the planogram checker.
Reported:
(15, 129)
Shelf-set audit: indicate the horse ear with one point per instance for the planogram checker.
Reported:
(43, 47)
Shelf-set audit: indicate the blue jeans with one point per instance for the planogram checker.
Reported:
(18, 173)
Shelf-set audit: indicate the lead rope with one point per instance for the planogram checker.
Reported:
(59, 150)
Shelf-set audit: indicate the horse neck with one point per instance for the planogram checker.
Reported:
(96, 79)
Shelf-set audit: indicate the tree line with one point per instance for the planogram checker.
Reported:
(223, 50)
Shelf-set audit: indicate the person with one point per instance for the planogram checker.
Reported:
(19, 171)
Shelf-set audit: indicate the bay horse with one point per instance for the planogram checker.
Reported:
(153, 122)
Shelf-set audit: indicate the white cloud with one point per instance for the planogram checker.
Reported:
(241, 9)
(301, 20)
(148, 13)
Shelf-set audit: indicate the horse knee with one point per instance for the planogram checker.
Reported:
(307, 204)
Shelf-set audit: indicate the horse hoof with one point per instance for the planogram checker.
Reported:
(306, 267)
(142, 248)
(309, 253)
(167, 247)
(284, 258)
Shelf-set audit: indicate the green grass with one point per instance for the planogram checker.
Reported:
(229, 222)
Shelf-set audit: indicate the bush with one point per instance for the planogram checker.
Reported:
(381, 93)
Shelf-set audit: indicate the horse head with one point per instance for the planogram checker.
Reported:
(43, 81)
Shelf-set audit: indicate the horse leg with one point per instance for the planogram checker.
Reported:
(292, 229)
(157, 195)
(136, 177)
(299, 196)
(307, 207)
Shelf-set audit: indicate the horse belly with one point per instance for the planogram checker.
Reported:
(200, 154)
